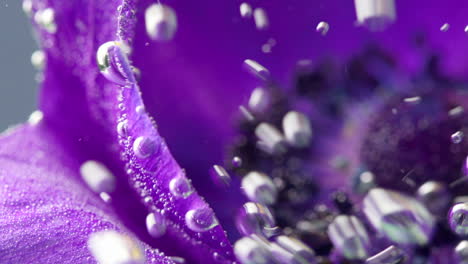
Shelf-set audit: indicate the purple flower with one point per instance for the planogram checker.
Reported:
(145, 112)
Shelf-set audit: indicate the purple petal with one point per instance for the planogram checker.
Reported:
(83, 108)
(46, 213)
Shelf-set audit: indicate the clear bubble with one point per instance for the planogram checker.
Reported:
(180, 187)
(201, 219)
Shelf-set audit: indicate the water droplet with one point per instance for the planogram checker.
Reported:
(376, 15)
(201, 219)
(122, 128)
(457, 137)
(180, 187)
(261, 18)
(156, 224)
(46, 19)
(97, 176)
(112, 247)
(245, 10)
(144, 147)
(112, 61)
(140, 109)
(161, 22)
(322, 28)
(38, 59)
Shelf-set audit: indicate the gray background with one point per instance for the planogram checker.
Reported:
(18, 88)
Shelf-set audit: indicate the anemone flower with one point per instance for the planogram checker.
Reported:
(153, 144)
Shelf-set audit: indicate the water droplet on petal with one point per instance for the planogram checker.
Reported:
(180, 187)
(161, 22)
(112, 62)
(156, 224)
(111, 247)
(122, 128)
(144, 147)
(245, 10)
(201, 219)
(322, 28)
(97, 176)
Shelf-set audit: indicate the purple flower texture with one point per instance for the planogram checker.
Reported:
(283, 132)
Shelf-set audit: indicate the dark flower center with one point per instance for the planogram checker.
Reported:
(394, 141)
